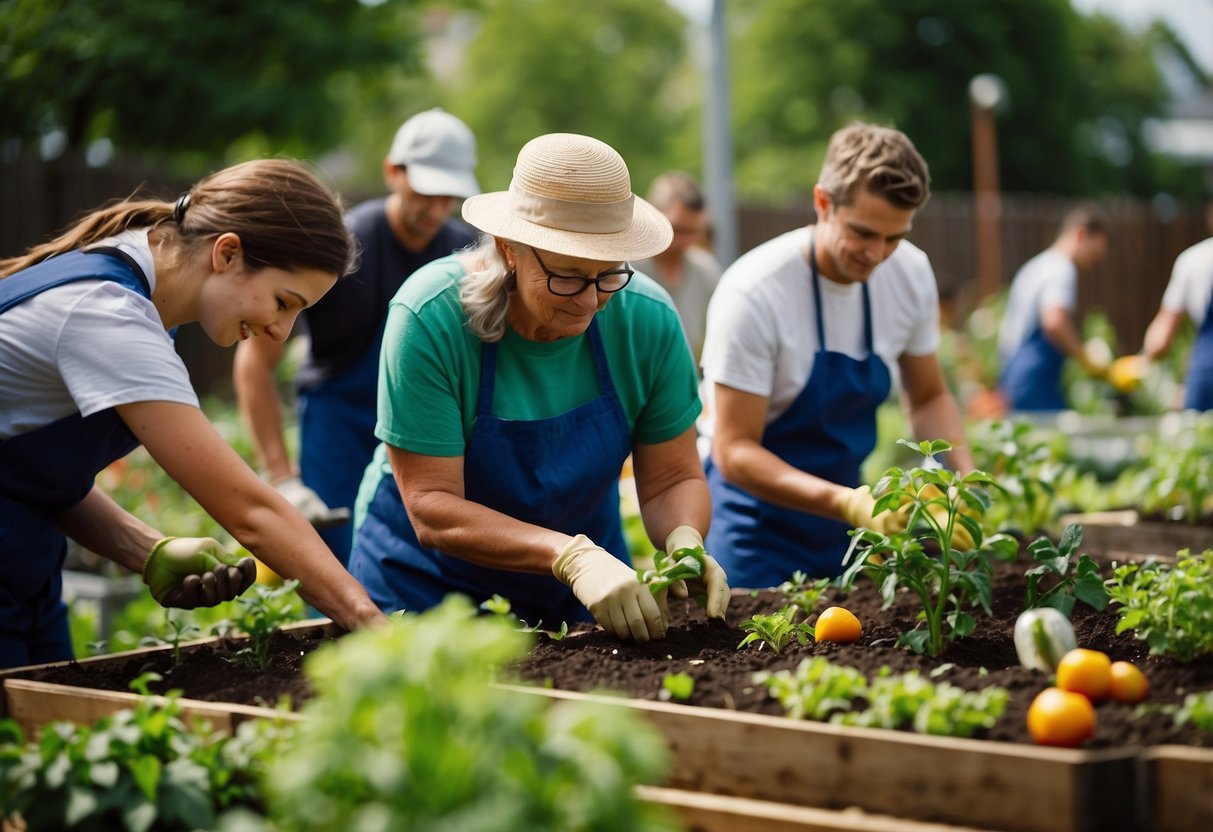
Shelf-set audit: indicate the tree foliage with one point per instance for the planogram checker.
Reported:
(603, 69)
(177, 76)
(1078, 89)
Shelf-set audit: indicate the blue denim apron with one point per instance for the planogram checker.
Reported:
(337, 439)
(1032, 378)
(828, 431)
(47, 471)
(561, 473)
(1198, 393)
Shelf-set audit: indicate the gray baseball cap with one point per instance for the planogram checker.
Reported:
(439, 152)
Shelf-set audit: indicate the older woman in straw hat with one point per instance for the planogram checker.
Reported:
(515, 379)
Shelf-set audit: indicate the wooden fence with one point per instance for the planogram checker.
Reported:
(38, 198)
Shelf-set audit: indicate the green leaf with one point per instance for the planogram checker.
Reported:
(81, 803)
(146, 771)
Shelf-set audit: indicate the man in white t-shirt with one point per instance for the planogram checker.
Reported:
(806, 336)
(1189, 294)
(1038, 331)
(686, 270)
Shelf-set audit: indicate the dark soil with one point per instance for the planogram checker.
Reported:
(707, 651)
(591, 660)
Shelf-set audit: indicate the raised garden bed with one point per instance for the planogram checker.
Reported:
(731, 741)
(1126, 535)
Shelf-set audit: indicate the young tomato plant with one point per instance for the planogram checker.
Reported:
(500, 605)
(1167, 606)
(263, 611)
(1030, 471)
(678, 565)
(803, 592)
(932, 558)
(1077, 578)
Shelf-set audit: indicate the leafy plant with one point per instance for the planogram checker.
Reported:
(406, 732)
(678, 686)
(804, 593)
(676, 566)
(1167, 606)
(777, 629)
(263, 611)
(1077, 578)
(1176, 480)
(946, 580)
(137, 770)
(1197, 708)
(820, 690)
(1029, 469)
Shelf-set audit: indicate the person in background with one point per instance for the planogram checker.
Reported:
(516, 379)
(89, 372)
(429, 168)
(686, 269)
(1038, 332)
(806, 336)
(1189, 294)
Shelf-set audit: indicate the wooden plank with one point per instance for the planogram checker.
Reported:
(699, 812)
(936, 779)
(1122, 536)
(1177, 788)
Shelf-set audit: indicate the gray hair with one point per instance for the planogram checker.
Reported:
(485, 290)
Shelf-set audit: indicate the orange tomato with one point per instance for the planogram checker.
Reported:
(1059, 717)
(1127, 683)
(1085, 671)
(837, 624)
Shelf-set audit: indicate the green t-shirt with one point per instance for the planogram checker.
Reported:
(429, 370)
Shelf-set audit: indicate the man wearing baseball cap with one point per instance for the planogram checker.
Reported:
(429, 168)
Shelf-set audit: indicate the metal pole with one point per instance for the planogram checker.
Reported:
(986, 93)
(718, 141)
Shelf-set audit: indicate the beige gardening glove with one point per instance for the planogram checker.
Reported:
(712, 590)
(608, 588)
(189, 572)
(306, 501)
(857, 505)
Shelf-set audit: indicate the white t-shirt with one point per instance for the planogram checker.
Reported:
(1191, 282)
(1047, 280)
(762, 323)
(87, 346)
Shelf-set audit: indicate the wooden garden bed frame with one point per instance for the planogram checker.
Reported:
(732, 769)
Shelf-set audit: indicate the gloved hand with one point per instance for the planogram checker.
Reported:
(713, 587)
(962, 541)
(306, 501)
(1126, 373)
(857, 505)
(621, 604)
(188, 572)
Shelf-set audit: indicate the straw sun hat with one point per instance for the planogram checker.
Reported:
(572, 195)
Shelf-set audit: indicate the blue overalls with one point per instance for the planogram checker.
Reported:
(1198, 393)
(561, 473)
(47, 471)
(337, 439)
(1032, 378)
(828, 431)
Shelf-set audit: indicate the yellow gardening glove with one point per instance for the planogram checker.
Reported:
(1126, 373)
(608, 588)
(857, 505)
(962, 541)
(188, 572)
(712, 590)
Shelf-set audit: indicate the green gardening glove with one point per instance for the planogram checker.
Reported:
(188, 572)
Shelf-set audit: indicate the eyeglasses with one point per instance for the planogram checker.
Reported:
(567, 285)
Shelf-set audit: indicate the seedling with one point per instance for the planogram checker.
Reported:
(804, 593)
(1077, 578)
(678, 686)
(264, 609)
(679, 565)
(777, 629)
(501, 606)
(947, 580)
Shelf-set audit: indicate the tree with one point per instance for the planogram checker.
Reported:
(1078, 89)
(603, 69)
(180, 76)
